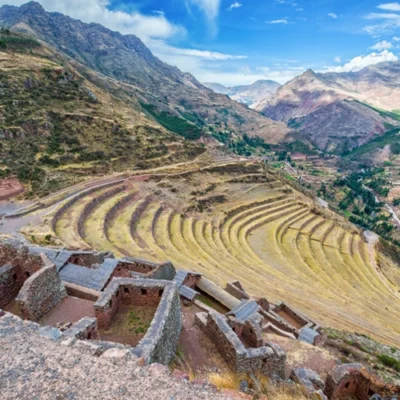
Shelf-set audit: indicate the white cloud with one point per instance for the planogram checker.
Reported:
(360, 62)
(210, 8)
(390, 6)
(389, 23)
(162, 47)
(154, 29)
(278, 21)
(396, 39)
(382, 45)
(247, 76)
(234, 5)
(144, 26)
(333, 15)
(338, 59)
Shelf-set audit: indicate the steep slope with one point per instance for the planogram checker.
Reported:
(58, 128)
(247, 94)
(167, 90)
(338, 112)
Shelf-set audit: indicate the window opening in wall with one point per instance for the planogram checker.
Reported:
(371, 392)
(15, 277)
(126, 290)
(347, 385)
(143, 291)
(27, 274)
(110, 303)
(160, 292)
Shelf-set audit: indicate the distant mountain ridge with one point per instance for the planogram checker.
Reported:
(247, 94)
(338, 111)
(165, 89)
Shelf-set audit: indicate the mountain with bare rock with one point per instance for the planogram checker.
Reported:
(339, 111)
(170, 96)
(247, 94)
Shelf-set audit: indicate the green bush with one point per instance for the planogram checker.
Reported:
(174, 124)
(389, 361)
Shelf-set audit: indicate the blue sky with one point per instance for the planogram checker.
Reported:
(238, 41)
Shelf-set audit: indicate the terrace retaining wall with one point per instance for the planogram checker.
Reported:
(93, 204)
(79, 196)
(41, 293)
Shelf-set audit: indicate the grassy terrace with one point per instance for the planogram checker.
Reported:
(267, 237)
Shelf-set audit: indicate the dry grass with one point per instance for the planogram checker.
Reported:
(258, 385)
(275, 250)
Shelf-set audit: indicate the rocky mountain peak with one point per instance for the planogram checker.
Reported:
(32, 7)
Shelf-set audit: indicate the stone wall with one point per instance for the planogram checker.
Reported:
(268, 359)
(354, 380)
(159, 343)
(236, 290)
(9, 284)
(146, 269)
(41, 293)
(81, 292)
(85, 329)
(16, 265)
(87, 259)
(296, 316)
(164, 271)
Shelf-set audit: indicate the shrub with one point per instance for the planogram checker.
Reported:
(389, 361)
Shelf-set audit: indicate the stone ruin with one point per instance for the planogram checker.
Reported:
(281, 319)
(354, 380)
(38, 279)
(35, 280)
(161, 340)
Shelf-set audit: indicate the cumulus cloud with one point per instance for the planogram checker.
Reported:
(360, 62)
(278, 21)
(396, 39)
(338, 59)
(234, 5)
(390, 6)
(383, 45)
(333, 15)
(144, 26)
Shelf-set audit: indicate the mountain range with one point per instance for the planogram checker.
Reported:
(164, 89)
(247, 94)
(334, 112)
(338, 112)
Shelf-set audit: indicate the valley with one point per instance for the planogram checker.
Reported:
(241, 237)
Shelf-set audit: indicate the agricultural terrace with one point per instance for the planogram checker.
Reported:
(237, 221)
